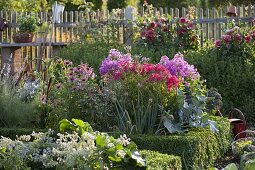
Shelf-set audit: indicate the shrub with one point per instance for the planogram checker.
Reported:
(91, 52)
(198, 149)
(157, 37)
(158, 161)
(74, 93)
(230, 67)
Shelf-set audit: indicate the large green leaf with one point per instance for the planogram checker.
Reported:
(100, 141)
(250, 165)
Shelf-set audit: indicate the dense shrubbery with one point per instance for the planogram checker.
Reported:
(205, 3)
(113, 4)
(198, 149)
(230, 67)
(156, 37)
(158, 161)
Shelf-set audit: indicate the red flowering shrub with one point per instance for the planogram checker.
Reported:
(186, 37)
(156, 33)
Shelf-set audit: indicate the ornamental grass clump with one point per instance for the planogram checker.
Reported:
(146, 95)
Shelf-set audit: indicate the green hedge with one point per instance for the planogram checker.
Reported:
(233, 76)
(204, 4)
(199, 148)
(13, 132)
(159, 161)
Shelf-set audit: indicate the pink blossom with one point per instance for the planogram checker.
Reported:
(183, 20)
(153, 25)
(172, 82)
(217, 43)
(238, 37)
(226, 38)
(247, 38)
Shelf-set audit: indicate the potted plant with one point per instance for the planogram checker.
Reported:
(27, 26)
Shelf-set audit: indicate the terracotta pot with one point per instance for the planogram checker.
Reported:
(25, 37)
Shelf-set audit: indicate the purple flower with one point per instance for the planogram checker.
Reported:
(113, 61)
(67, 62)
(179, 67)
(217, 43)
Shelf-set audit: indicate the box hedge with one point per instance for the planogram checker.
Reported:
(159, 161)
(198, 149)
(13, 132)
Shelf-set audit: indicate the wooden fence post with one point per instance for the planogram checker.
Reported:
(130, 18)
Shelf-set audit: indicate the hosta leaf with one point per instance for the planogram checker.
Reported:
(231, 166)
(250, 165)
(100, 141)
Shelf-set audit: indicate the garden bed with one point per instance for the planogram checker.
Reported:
(199, 149)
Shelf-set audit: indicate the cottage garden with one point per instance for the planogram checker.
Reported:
(98, 104)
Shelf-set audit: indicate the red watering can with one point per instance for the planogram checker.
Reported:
(238, 124)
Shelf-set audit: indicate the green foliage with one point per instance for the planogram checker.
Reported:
(28, 23)
(158, 161)
(88, 150)
(24, 6)
(74, 93)
(198, 148)
(15, 112)
(14, 132)
(197, 3)
(113, 4)
(91, 52)
(232, 73)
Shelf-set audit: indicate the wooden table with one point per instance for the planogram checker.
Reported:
(14, 50)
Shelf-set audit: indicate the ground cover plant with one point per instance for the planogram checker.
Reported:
(81, 148)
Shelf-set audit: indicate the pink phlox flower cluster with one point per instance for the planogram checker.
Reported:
(179, 67)
(114, 61)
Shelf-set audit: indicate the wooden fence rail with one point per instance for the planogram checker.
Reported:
(73, 24)
(211, 21)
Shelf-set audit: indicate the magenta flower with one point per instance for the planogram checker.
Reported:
(247, 38)
(238, 37)
(217, 43)
(183, 20)
(226, 38)
(67, 63)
